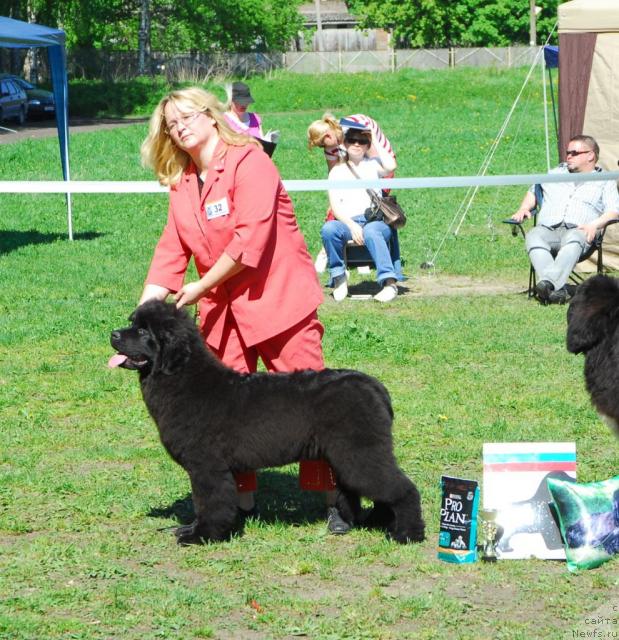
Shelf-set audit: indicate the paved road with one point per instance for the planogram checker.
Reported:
(11, 132)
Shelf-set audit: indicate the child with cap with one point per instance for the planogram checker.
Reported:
(237, 116)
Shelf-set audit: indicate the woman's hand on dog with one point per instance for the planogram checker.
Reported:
(189, 294)
(223, 269)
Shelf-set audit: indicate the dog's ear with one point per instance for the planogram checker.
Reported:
(592, 314)
(175, 351)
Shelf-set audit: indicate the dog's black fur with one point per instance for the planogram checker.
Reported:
(214, 422)
(593, 329)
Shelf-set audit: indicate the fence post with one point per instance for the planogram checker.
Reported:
(339, 60)
(452, 57)
(392, 57)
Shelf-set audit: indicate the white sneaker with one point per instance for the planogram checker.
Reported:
(340, 288)
(320, 264)
(387, 293)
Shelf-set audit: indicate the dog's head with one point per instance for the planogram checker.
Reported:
(593, 313)
(159, 338)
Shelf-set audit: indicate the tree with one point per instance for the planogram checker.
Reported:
(234, 25)
(144, 36)
(172, 26)
(440, 23)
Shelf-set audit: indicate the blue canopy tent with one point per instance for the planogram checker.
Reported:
(15, 34)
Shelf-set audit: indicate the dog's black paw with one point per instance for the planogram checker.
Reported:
(407, 535)
(188, 534)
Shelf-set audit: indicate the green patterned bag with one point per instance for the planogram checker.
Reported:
(589, 520)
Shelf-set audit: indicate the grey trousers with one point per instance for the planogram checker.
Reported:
(555, 252)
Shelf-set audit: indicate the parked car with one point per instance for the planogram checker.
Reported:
(13, 101)
(40, 101)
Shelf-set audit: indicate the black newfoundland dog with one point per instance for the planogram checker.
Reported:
(593, 329)
(214, 422)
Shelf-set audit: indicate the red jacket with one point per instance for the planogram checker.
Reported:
(245, 212)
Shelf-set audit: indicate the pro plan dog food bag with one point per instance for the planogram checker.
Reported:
(457, 540)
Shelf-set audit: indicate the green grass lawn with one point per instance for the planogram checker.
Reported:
(87, 492)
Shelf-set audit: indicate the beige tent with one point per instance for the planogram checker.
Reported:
(589, 87)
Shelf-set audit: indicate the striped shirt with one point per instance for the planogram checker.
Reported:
(576, 203)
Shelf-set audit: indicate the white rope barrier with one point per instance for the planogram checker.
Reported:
(447, 182)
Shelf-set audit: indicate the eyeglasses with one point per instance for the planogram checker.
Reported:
(186, 121)
(361, 141)
(573, 152)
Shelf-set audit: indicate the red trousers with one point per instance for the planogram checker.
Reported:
(299, 347)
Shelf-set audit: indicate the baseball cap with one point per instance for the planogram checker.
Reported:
(241, 93)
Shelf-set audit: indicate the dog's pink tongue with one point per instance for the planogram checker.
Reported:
(116, 360)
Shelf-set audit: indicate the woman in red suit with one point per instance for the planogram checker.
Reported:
(257, 291)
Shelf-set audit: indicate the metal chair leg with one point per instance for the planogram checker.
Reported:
(532, 282)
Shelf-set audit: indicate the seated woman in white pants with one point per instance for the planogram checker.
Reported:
(349, 206)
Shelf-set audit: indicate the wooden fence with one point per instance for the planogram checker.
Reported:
(394, 60)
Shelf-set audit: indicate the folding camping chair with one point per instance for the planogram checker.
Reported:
(575, 277)
(356, 255)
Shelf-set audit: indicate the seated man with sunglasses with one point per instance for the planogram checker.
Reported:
(571, 215)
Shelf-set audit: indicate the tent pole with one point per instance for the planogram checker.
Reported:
(69, 216)
(57, 61)
(67, 178)
(543, 67)
(554, 106)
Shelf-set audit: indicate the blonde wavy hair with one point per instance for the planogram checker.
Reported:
(317, 131)
(159, 152)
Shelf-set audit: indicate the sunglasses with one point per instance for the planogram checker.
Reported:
(361, 141)
(572, 152)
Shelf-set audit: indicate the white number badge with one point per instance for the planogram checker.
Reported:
(216, 209)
